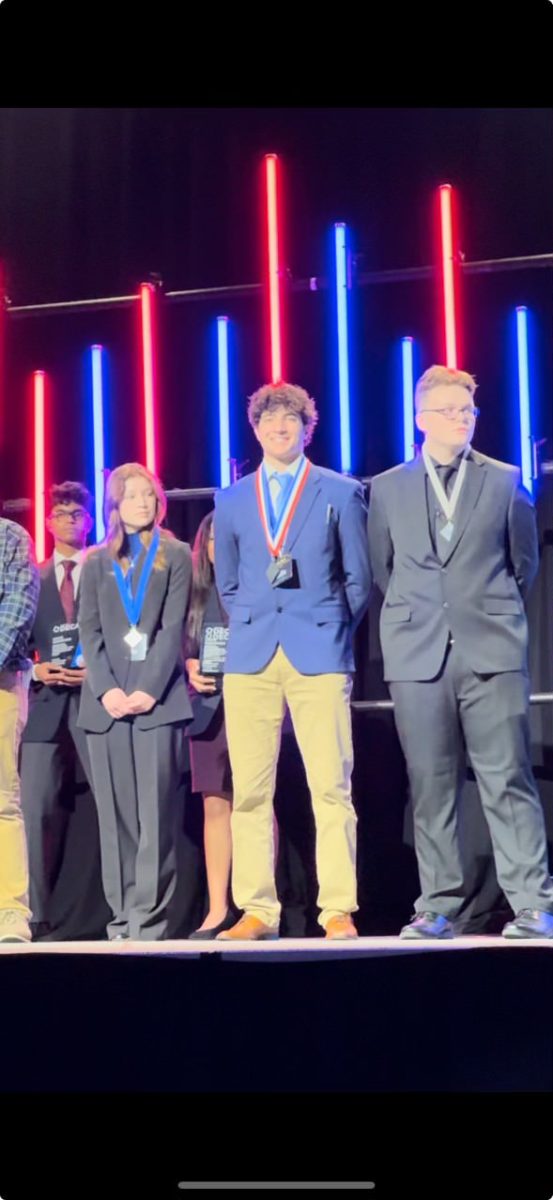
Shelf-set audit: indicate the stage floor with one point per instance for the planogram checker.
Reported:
(283, 950)
(299, 1014)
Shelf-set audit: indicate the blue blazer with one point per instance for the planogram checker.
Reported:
(313, 622)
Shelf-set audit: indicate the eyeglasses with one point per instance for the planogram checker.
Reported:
(70, 514)
(453, 411)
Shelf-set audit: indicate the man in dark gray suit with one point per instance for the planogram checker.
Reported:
(453, 544)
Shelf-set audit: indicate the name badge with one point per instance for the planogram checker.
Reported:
(213, 649)
(280, 570)
(139, 649)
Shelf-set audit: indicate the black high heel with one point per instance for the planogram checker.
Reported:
(208, 935)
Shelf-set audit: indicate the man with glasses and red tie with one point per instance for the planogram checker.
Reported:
(454, 550)
(54, 755)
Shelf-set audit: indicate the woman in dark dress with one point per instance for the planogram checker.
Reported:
(211, 774)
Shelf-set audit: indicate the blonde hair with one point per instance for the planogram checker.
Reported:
(115, 541)
(436, 376)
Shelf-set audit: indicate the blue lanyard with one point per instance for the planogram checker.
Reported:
(133, 604)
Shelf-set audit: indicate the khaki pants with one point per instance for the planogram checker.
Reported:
(14, 875)
(254, 711)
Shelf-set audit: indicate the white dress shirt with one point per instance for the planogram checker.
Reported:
(283, 469)
(59, 560)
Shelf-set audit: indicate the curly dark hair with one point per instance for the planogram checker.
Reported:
(70, 492)
(294, 398)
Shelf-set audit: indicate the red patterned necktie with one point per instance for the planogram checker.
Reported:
(67, 591)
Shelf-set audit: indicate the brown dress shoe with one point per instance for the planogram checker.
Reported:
(341, 927)
(248, 929)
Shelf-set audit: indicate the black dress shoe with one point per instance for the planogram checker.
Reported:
(427, 925)
(530, 923)
(209, 935)
(40, 929)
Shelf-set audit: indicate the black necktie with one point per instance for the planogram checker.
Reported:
(446, 475)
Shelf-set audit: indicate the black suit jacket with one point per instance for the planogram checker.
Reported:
(47, 705)
(103, 625)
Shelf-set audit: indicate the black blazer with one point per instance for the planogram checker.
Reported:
(47, 705)
(103, 625)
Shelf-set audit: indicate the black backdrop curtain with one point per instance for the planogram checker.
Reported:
(93, 200)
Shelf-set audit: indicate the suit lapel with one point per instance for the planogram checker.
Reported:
(156, 587)
(247, 499)
(156, 578)
(305, 504)
(78, 589)
(50, 584)
(418, 509)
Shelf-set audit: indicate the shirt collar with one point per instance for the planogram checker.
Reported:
(286, 469)
(77, 557)
(455, 462)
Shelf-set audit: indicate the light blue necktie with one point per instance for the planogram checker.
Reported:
(283, 479)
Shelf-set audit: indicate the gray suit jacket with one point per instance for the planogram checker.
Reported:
(102, 627)
(475, 592)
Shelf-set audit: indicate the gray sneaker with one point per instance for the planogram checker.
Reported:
(14, 926)
(530, 923)
(427, 925)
